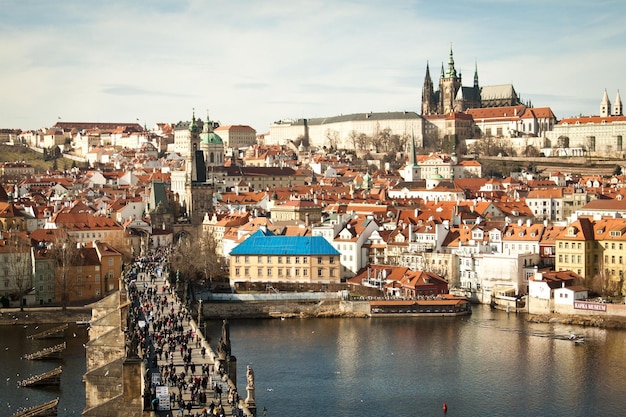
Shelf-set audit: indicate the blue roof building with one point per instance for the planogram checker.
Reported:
(266, 257)
(267, 243)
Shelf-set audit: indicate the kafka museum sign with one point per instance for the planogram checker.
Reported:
(586, 305)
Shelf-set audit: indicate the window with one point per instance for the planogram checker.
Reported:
(260, 259)
(288, 259)
(280, 272)
(297, 259)
(237, 272)
(269, 259)
(331, 259)
(280, 259)
(269, 272)
(319, 259)
(237, 259)
(304, 259)
(246, 259)
(332, 272)
(288, 272)
(297, 272)
(260, 272)
(110, 261)
(79, 279)
(305, 272)
(246, 272)
(319, 272)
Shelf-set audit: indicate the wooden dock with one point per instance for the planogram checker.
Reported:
(52, 377)
(55, 332)
(48, 409)
(53, 352)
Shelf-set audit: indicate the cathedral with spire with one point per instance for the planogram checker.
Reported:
(451, 96)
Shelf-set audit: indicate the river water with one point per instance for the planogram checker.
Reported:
(488, 364)
(14, 343)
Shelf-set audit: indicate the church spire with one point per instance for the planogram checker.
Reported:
(605, 105)
(208, 126)
(193, 128)
(413, 160)
(451, 69)
(428, 92)
(475, 75)
(617, 106)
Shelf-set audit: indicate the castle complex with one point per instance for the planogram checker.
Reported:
(453, 97)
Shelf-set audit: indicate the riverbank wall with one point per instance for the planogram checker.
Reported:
(603, 322)
(44, 315)
(285, 309)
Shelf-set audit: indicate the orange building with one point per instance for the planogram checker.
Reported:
(92, 273)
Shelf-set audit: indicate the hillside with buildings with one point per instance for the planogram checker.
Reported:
(395, 205)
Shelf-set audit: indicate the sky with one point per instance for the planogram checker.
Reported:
(254, 62)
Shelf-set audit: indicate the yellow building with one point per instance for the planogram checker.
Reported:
(265, 257)
(594, 249)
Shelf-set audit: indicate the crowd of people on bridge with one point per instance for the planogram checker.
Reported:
(165, 339)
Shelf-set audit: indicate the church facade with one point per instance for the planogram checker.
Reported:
(452, 97)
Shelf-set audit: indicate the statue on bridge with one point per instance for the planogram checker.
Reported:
(250, 387)
(132, 344)
(224, 349)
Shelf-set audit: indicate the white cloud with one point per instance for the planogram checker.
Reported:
(256, 62)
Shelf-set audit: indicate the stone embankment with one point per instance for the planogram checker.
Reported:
(43, 315)
(603, 322)
(286, 309)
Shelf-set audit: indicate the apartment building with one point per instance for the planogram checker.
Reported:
(266, 257)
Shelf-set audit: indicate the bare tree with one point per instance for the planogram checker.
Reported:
(332, 136)
(195, 257)
(211, 263)
(20, 267)
(65, 252)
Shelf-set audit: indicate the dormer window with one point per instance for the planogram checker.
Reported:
(616, 233)
(572, 231)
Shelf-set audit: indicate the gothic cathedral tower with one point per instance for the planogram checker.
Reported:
(429, 102)
(449, 84)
